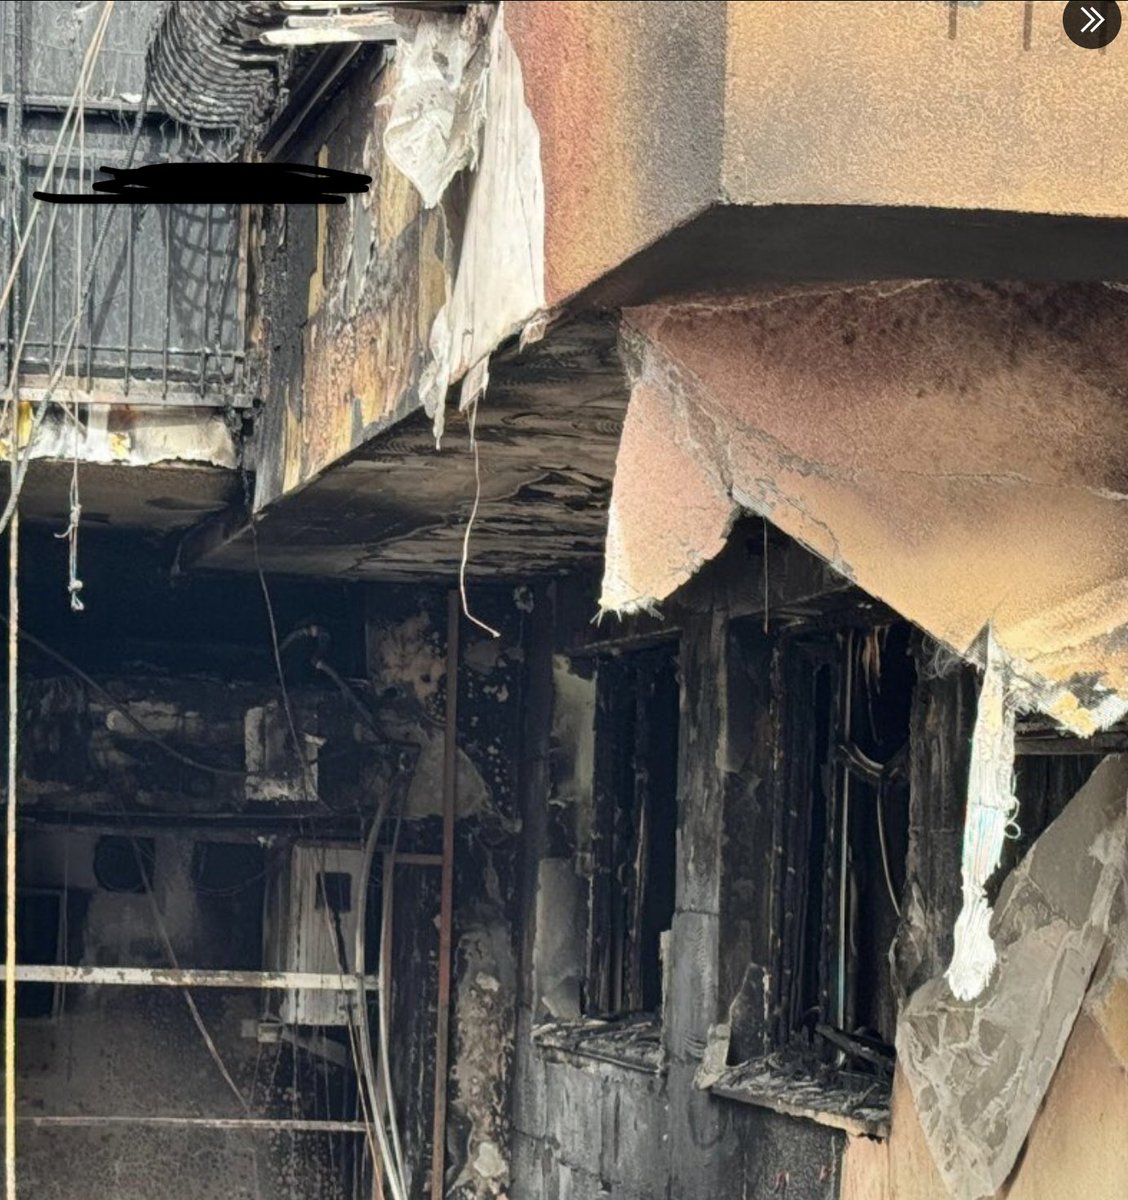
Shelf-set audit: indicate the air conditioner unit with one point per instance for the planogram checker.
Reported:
(312, 909)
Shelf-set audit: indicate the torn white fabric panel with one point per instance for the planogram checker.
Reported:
(499, 281)
(438, 105)
(991, 807)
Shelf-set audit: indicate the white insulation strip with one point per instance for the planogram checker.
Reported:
(991, 809)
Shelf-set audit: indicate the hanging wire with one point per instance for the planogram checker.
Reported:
(384, 1147)
(74, 584)
(71, 328)
(174, 962)
(473, 421)
(17, 469)
(143, 729)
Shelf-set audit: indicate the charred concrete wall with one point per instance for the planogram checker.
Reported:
(348, 297)
(703, 1099)
(617, 1107)
(406, 663)
(366, 681)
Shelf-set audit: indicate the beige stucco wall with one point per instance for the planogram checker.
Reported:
(845, 103)
(647, 118)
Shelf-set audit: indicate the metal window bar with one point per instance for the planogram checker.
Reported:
(197, 343)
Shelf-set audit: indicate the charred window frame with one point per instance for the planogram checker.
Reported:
(634, 829)
(843, 698)
(1050, 768)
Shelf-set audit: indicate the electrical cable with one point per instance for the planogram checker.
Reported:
(72, 327)
(308, 786)
(880, 805)
(473, 421)
(361, 963)
(360, 1043)
(174, 962)
(186, 759)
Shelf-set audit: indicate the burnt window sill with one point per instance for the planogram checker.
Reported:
(633, 1042)
(858, 1104)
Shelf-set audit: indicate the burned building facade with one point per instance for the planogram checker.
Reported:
(595, 666)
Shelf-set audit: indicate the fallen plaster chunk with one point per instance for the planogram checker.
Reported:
(991, 807)
(978, 1070)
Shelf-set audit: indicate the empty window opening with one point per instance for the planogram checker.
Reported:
(39, 942)
(227, 868)
(334, 889)
(845, 707)
(634, 833)
(124, 864)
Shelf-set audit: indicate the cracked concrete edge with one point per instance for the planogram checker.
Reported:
(700, 444)
(978, 1070)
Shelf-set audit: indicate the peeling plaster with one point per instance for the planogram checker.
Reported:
(138, 437)
(951, 448)
(498, 285)
(484, 1009)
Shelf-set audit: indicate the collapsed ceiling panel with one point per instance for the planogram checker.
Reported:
(957, 450)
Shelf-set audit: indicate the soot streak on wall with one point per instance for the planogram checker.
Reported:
(595, 1116)
(193, 676)
(407, 666)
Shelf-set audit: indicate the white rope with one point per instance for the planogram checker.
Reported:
(473, 420)
(991, 809)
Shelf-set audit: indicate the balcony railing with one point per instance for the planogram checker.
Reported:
(163, 321)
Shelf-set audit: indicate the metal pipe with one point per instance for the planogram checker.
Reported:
(446, 909)
(249, 1124)
(191, 977)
